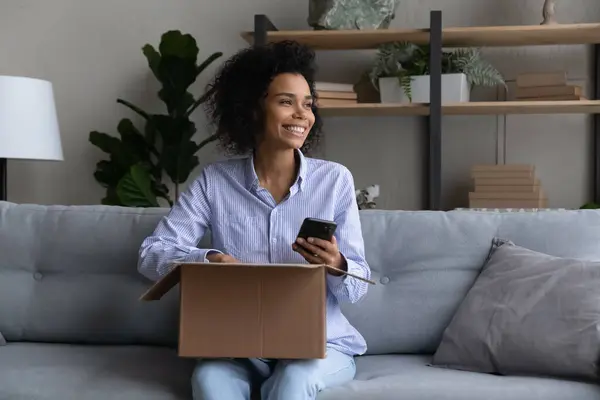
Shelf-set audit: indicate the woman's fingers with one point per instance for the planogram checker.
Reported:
(308, 256)
(329, 247)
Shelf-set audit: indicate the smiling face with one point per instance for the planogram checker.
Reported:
(288, 113)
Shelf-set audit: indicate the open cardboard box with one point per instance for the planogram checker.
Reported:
(249, 310)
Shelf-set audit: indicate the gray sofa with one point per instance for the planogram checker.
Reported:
(75, 329)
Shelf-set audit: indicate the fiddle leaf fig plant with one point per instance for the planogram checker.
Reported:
(138, 159)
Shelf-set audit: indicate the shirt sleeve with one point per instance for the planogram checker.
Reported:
(350, 243)
(177, 234)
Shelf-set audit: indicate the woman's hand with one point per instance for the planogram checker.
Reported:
(221, 258)
(319, 251)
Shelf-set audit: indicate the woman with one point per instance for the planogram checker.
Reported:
(262, 103)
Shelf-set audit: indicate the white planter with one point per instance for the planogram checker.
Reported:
(455, 89)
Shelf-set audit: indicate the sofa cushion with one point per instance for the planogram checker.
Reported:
(528, 313)
(408, 377)
(58, 372)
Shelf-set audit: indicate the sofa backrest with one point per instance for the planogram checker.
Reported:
(69, 273)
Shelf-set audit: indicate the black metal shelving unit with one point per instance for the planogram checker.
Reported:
(433, 121)
(596, 126)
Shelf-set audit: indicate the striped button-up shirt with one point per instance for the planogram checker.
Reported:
(245, 222)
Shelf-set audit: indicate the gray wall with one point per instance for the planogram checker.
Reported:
(90, 50)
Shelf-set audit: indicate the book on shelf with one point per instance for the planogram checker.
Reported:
(537, 79)
(541, 91)
(334, 87)
(546, 86)
(327, 94)
(506, 186)
(335, 94)
(334, 102)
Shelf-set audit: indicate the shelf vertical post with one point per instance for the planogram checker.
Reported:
(596, 125)
(262, 25)
(434, 121)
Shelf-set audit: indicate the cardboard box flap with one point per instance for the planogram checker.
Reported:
(171, 279)
(289, 266)
(163, 285)
(349, 274)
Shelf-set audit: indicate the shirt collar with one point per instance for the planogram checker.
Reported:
(252, 179)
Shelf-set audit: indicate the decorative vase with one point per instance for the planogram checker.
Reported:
(455, 89)
(351, 14)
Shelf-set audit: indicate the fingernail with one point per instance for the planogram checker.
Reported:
(310, 240)
(300, 240)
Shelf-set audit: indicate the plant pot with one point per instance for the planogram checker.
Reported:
(455, 89)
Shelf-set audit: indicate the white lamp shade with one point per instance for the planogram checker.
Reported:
(28, 121)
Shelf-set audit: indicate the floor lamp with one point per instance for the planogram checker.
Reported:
(28, 123)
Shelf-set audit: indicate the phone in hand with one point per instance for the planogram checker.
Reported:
(317, 228)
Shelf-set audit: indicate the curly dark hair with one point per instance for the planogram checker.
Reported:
(235, 96)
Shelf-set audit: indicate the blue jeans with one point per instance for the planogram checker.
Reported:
(233, 379)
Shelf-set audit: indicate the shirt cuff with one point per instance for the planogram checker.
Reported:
(199, 255)
(336, 280)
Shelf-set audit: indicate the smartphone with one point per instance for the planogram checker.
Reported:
(317, 228)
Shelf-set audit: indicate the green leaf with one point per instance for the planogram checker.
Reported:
(115, 148)
(134, 108)
(178, 157)
(135, 142)
(209, 60)
(105, 142)
(406, 84)
(153, 58)
(174, 43)
(135, 188)
(180, 160)
(108, 173)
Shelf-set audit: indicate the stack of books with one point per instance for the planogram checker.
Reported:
(335, 94)
(546, 86)
(506, 186)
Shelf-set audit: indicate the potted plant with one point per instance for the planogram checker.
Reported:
(401, 73)
(140, 158)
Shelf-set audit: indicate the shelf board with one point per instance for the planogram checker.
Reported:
(471, 108)
(516, 35)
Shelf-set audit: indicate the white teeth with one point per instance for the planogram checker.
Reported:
(294, 128)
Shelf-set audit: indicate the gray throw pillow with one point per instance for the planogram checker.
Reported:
(528, 313)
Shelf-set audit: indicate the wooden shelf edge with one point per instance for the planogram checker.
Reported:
(509, 35)
(470, 108)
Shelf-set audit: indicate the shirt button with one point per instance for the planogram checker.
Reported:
(384, 280)
(274, 240)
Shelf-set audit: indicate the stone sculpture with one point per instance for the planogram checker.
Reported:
(351, 14)
(548, 13)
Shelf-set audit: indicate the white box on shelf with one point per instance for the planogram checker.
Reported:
(455, 89)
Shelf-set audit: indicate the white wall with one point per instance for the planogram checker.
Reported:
(90, 50)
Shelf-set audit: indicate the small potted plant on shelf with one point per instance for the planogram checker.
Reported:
(401, 73)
